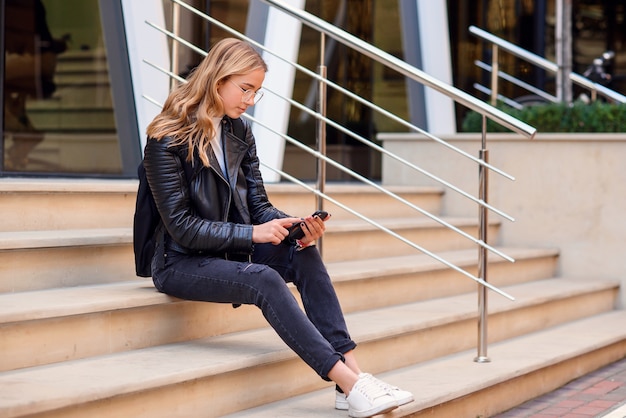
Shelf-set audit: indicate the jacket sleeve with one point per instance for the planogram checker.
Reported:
(170, 189)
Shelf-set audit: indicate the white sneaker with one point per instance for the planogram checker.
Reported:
(367, 399)
(340, 401)
(402, 397)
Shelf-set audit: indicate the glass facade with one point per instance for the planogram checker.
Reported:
(597, 26)
(369, 20)
(59, 112)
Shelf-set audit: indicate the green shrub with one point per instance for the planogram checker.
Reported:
(558, 117)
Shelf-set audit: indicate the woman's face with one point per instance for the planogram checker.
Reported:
(238, 92)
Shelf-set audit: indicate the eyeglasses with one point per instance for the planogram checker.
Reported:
(248, 95)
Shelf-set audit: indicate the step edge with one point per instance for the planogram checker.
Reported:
(18, 184)
(14, 185)
(38, 239)
(272, 351)
(419, 262)
(430, 381)
(19, 307)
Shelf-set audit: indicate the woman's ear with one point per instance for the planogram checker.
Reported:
(218, 86)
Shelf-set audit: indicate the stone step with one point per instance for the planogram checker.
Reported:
(418, 271)
(51, 204)
(35, 260)
(67, 315)
(418, 277)
(38, 259)
(456, 386)
(31, 204)
(357, 239)
(106, 254)
(299, 201)
(232, 372)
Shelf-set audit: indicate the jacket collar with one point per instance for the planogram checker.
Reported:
(235, 149)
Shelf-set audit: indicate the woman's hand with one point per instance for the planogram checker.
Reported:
(274, 231)
(313, 227)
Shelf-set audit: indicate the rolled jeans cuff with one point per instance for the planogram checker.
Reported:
(344, 346)
(330, 363)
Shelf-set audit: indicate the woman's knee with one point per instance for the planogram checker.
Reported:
(267, 283)
(310, 268)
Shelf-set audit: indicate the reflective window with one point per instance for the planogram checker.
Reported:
(377, 23)
(57, 107)
(597, 26)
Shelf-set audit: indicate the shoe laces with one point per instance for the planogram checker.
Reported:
(383, 385)
(370, 389)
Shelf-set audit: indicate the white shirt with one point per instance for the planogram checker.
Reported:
(216, 143)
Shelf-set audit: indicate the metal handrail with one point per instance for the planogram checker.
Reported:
(355, 97)
(413, 73)
(455, 94)
(376, 147)
(406, 69)
(372, 222)
(369, 220)
(528, 87)
(544, 64)
(330, 83)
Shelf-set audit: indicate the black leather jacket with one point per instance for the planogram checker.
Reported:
(209, 213)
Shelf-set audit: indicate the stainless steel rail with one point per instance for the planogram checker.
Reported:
(321, 156)
(528, 87)
(339, 88)
(405, 69)
(325, 121)
(458, 96)
(325, 29)
(538, 61)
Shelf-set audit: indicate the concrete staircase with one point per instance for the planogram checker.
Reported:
(81, 336)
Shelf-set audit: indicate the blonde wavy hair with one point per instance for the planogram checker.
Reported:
(187, 112)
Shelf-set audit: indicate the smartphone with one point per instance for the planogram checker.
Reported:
(296, 232)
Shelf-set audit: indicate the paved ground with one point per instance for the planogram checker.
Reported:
(599, 394)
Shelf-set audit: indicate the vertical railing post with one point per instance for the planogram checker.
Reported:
(321, 129)
(563, 48)
(483, 190)
(495, 68)
(175, 45)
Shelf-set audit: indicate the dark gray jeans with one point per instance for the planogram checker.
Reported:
(320, 337)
